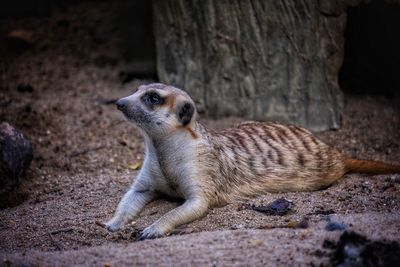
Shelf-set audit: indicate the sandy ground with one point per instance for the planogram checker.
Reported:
(83, 149)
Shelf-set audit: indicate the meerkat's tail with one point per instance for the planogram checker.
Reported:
(370, 166)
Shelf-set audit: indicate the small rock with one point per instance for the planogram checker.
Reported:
(15, 156)
(256, 242)
(237, 226)
(279, 207)
(335, 226)
(303, 224)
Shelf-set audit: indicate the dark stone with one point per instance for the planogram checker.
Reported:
(335, 226)
(280, 207)
(303, 224)
(15, 156)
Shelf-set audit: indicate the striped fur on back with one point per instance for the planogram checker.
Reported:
(261, 157)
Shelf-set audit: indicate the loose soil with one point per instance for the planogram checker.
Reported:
(83, 151)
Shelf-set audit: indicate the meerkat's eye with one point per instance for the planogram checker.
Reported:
(152, 98)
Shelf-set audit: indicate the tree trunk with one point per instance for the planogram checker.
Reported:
(260, 59)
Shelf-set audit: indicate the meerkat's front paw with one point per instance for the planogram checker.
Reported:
(113, 225)
(151, 232)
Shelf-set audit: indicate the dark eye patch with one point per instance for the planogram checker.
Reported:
(152, 99)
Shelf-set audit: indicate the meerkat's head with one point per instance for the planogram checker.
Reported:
(159, 109)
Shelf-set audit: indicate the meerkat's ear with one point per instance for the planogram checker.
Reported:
(185, 113)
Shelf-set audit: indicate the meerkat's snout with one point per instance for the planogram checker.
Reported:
(121, 103)
(133, 111)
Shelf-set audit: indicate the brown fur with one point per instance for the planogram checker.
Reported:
(170, 102)
(369, 166)
(189, 129)
(192, 133)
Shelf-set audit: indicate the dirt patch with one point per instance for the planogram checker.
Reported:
(83, 149)
(250, 247)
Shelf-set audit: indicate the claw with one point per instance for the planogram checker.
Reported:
(149, 233)
(108, 226)
(144, 236)
(112, 227)
(141, 237)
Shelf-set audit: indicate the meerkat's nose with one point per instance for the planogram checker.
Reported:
(121, 103)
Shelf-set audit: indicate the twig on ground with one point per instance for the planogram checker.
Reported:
(100, 224)
(54, 241)
(64, 230)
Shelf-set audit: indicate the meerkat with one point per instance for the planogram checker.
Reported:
(206, 168)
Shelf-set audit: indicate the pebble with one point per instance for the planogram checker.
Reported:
(280, 206)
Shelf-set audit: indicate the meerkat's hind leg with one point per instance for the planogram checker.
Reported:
(130, 205)
(190, 210)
